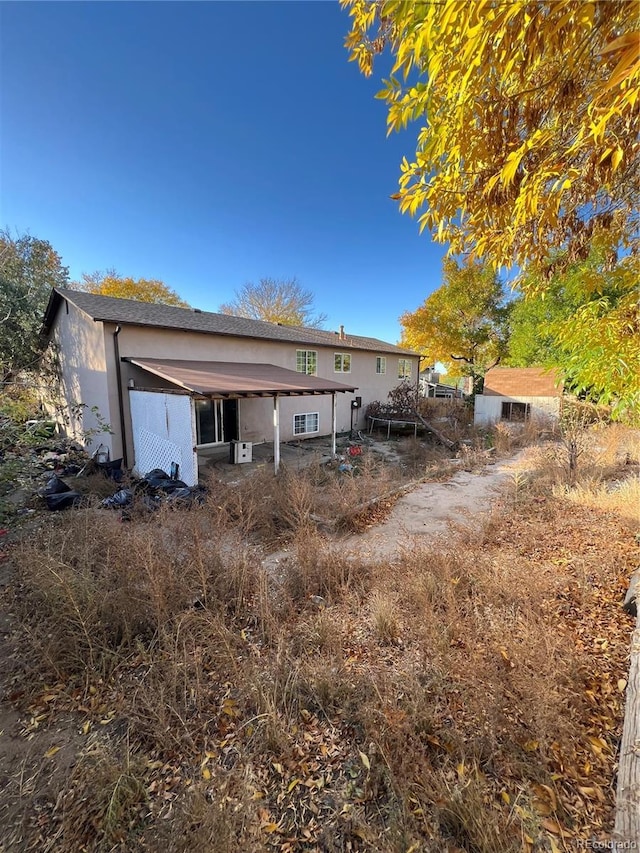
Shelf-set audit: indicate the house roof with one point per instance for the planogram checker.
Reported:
(522, 382)
(230, 379)
(130, 312)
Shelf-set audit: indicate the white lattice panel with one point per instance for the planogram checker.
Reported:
(163, 433)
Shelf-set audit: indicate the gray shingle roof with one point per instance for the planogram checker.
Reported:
(131, 312)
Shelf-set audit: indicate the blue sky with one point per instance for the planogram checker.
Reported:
(207, 145)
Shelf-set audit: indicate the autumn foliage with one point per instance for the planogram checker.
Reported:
(110, 283)
(463, 324)
(528, 113)
(527, 151)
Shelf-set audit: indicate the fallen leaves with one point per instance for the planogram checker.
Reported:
(351, 739)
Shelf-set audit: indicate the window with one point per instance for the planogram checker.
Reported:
(515, 411)
(381, 364)
(307, 361)
(342, 362)
(304, 424)
(404, 368)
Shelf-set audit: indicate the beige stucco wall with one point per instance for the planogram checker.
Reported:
(255, 415)
(79, 345)
(488, 408)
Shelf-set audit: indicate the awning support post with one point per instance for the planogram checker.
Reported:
(276, 433)
(333, 423)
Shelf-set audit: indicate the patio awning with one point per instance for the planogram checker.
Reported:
(229, 379)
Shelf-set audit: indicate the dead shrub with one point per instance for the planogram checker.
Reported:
(294, 499)
(384, 617)
(177, 687)
(245, 506)
(315, 568)
(98, 585)
(102, 805)
(326, 687)
(421, 457)
(319, 632)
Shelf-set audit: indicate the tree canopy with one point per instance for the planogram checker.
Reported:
(29, 269)
(276, 301)
(463, 324)
(533, 338)
(528, 152)
(110, 283)
(584, 321)
(530, 128)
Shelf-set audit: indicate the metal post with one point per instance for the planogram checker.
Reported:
(276, 433)
(334, 420)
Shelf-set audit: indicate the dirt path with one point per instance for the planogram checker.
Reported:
(430, 510)
(433, 509)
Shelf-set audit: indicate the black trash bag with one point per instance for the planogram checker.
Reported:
(155, 476)
(183, 495)
(112, 470)
(71, 470)
(117, 500)
(149, 503)
(170, 486)
(55, 486)
(63, 500)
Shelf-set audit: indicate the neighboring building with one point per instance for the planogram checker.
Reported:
(431, 386)
(518, 394)
(179, 380)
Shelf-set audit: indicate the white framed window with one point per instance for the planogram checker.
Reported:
(307, 361)
(307, 423)
(341, 362)
(381, 364)
(404, 368)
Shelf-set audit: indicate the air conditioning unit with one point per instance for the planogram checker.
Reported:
(241, 451)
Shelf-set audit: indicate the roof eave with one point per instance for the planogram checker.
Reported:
(55, 300)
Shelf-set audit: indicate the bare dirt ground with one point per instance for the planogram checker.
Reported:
(435, 510)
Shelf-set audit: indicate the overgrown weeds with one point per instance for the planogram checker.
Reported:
(462, 697)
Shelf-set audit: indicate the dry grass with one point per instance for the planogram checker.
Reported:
(271, 509)
(442, 700)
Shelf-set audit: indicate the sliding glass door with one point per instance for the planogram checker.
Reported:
(216, 421)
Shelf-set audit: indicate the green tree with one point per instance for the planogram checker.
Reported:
(110, 283)
(276, 301)
(463, 324)
(584, 320)
(29, 269)
(533, 329)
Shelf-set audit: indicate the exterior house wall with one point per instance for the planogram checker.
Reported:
(80, 351)
(488, 408)
(255, 414)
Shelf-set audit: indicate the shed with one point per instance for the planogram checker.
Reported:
(518, 394)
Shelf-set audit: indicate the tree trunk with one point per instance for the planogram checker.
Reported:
(451, 445)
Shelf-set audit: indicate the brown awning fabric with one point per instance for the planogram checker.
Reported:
(234, 379)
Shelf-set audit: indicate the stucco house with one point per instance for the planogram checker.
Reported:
(518, 394)
(174, 382)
